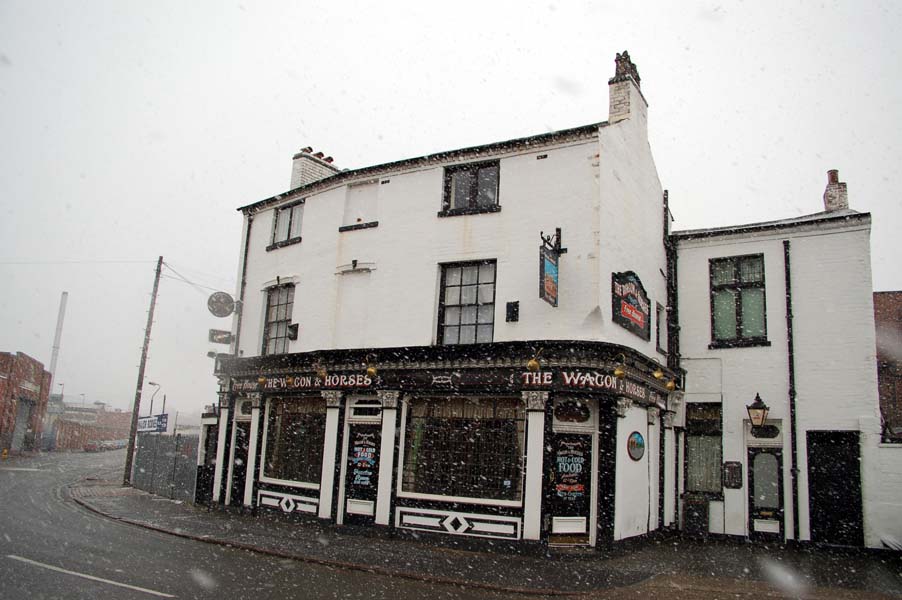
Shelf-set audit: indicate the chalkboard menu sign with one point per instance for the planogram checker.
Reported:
(572, 469)
(363, 461)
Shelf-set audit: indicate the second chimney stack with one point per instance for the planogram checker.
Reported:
(836, 196)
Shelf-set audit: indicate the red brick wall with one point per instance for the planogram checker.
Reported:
(22, 377)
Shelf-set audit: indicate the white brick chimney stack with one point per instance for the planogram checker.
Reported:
(836, 196)
(625, 97)
(308, 167)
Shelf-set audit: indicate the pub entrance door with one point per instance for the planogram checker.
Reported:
(358, 490)
(572, 473)
(766, 494)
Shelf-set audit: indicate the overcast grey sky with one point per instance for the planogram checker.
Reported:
(134, 129)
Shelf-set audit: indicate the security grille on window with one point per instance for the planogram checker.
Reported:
(737, 301)
(464, 447)
(288, 223)
(277, 331)
(704, 448)
(295, 431)
(471, 188)
(467, 303)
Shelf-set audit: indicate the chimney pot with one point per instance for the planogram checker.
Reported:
(329, 159)
(307, 149)
(833, 176)
(319, 155)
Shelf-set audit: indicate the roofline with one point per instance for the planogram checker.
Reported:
(542, 138)
(694, 234)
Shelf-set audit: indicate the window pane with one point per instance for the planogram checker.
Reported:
(703, 463)
(294, 442)
(452, 316)
(452, 276)
(283, 218)
(290, 289)
(468, 316)
(468, 294)
(751, 269)
(461, 186)
(450, 335)
(486, 314)
(767, 483)
(487, 273)
(469, 275)
(722, 272)
(484, 334)
(452, 295)
(487, 194)
(468, 334)
(724, 315)
(753, 312)
(464, 447)
(297, 213)
(487, 293)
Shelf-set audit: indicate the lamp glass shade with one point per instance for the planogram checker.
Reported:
(757, 411)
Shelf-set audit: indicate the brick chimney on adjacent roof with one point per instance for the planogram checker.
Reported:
(625, 97)
(836, 196)
(308, 167)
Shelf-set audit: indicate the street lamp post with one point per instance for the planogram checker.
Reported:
(62, 391)
(150, 414)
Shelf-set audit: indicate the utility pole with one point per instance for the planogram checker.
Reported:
(133, 432)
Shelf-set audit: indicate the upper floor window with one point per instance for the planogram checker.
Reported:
(278, 330)
(737, 301)
(287, 227)
(466, 313)
(471, 188)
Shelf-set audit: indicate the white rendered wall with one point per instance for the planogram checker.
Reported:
(630, 224)
(361, 309)
(631, 488)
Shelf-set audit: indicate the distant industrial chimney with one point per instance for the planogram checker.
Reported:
(308, 167)
(836, 196)
(625, 98)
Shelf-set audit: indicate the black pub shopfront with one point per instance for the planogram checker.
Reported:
(508, 441)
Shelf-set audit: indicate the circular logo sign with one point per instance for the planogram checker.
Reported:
(221, 304)
(635, 445)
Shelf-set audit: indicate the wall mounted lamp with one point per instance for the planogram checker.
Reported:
(533, 364)
(758, 412)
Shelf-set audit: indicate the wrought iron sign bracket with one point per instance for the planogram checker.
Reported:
(553, 242)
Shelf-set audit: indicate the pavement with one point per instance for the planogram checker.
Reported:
(673, 568)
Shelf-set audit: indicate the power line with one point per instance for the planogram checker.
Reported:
(71, 262)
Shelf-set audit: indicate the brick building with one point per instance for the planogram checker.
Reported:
(24, 390)
(888, 319)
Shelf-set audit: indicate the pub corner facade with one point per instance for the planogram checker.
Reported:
(492, 343)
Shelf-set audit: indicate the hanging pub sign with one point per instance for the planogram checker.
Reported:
(549, 257)
(629, 304)
(548, 275)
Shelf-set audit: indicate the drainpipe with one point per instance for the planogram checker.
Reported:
(247, 243)
(794, 471)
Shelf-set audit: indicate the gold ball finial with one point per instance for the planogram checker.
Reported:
(619, 372)
(532, 365)
(371, 371)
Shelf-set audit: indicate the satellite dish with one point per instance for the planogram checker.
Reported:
(221, 304)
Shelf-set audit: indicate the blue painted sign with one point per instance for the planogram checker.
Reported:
(548, 275)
